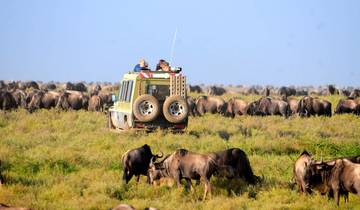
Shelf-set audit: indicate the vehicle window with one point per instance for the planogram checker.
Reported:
(159, 91)
(129, 90)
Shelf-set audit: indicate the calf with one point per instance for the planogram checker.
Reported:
(136, 162)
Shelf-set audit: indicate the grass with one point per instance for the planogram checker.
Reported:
(70, 160)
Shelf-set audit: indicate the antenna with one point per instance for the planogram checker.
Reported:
(173, 45)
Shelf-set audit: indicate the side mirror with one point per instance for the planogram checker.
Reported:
(113, 98)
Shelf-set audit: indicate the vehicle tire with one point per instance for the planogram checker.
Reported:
(175, 109)
(146, 108)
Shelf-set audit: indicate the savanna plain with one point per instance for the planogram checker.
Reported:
(55, 159)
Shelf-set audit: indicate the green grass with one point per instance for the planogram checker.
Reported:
(70, 160)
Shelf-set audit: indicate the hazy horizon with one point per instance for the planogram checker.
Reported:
(231, 42)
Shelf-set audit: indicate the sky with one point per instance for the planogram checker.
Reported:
(278, 42)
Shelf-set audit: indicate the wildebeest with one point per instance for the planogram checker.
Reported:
(287, 91)
(72, 100)
(216, 91)
(268, 106)
(43, 99)
(195, 89)
(355, 93)
(7, 100)
(124, 207)
(6, 207)
(236, 160)
(95, 104)
(192, 106)
(338, 177)
(3, 85)
(299, 171)
(20, 98)
(332, 90)
(183, 164)
(235, 107)
(309, 106)
(76, 86)
(348, 106)
(293, 104)
(48, 86)
(210, 104)
(136, 162)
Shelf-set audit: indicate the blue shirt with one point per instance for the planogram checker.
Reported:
(137, 68)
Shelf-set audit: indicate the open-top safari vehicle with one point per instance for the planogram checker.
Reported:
(149, 100)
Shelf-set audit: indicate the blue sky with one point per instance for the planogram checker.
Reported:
(218, 42)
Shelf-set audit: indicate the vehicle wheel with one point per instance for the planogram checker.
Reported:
(146, 108)
(175, 109)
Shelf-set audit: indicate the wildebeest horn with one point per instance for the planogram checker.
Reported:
(151, 161)
(161, 155)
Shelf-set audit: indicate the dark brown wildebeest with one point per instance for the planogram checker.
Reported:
(76, 86)
(192, 106)
(136, 162)
(354, 94)
(183, 164)
(309, 106)
(287, 91)
(268, 106)
(48, 86)
(348, 106)
(43, 99)
(7, 101)
(299, 172)
(332, 90)
(216, 91)
(210, 104)
(3, 85)
(337, 177)
(72, 100)
(237, 162)
(195, 89)
(235, 107)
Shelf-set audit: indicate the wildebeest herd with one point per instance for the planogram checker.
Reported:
(333, 178)
(75, 96)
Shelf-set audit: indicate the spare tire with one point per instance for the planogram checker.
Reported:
(146, 108)
(175, 109)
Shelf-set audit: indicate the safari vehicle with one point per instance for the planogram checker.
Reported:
(150, 99)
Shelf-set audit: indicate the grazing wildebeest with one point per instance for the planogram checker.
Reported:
(210, 104)
(309, 106)
(7, 101)
(72, 100)
(216, 91)
(235, 107)
(299, 171)
(236, 164)
(195, 88)
(192, 106)
(337, 177)
(355, 93)
(268, 106)
(348, 106)
(124, 207)
(43, 99)
(183, 164)
(136, 162)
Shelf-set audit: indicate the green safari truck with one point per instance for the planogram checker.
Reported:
(148, 100)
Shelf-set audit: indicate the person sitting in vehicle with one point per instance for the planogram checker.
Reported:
(162, 66)
(142, 65)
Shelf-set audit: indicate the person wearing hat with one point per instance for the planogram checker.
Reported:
(142, 65)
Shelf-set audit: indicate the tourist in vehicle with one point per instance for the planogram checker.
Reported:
(163, 65)
(142, 65)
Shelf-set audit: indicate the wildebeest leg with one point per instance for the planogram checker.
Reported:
(337, 196)
(127, 175)
(137, 178)
(177, 179)
(346, 196)
(189, 185)
(207, 188)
